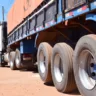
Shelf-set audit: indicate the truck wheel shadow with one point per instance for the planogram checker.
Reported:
(75, 92)
(33, 70)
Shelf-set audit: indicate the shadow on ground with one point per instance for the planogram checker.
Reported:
(33, 70)
(7, 66)
(75, 92)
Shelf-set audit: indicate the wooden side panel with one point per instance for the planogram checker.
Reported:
(20, 10)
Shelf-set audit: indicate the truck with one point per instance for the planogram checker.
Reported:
(59, 35)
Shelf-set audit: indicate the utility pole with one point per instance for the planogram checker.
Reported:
(3, 13)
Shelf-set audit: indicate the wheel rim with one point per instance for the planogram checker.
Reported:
(8, 57)
(42, 62)
(11, 63)
(58, 68)
(17, 60)
(87, 69)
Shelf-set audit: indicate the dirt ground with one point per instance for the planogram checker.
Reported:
(26, 83)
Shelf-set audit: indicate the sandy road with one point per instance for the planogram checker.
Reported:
(25, 83)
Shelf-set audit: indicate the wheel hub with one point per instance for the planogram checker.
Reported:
(93, 70)
(58, 68)
(42, 62)
(87, 69)
(17, 60)
(11, 63)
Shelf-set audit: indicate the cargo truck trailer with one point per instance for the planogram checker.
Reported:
(60, 35)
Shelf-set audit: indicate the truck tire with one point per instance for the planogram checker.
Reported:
(1, 64)
(18, 59)
(6, 57)
(44, 62)
(62, 68)
(85, 65)
(12, 61)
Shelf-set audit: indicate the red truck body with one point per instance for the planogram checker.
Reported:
(20, 10)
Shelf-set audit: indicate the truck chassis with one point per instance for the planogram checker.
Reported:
(63, 43)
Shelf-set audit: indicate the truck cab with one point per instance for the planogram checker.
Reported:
(3, 41)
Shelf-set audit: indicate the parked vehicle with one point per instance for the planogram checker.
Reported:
(58, 34)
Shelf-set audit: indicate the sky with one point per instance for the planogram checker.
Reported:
(7, 5)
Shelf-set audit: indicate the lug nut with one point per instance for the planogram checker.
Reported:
(92, 64)
(93, 74)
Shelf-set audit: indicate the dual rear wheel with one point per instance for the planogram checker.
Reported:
(62, 65)
(85, 65)
(12, 60)
(57, 65)
(62, 68)
(15, 60)
(44, 62)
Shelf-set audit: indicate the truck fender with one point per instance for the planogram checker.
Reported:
(91, 17)
(35, 44)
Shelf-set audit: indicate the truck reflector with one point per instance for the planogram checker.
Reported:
(50, 23)
(69, 14)
(82, 9)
